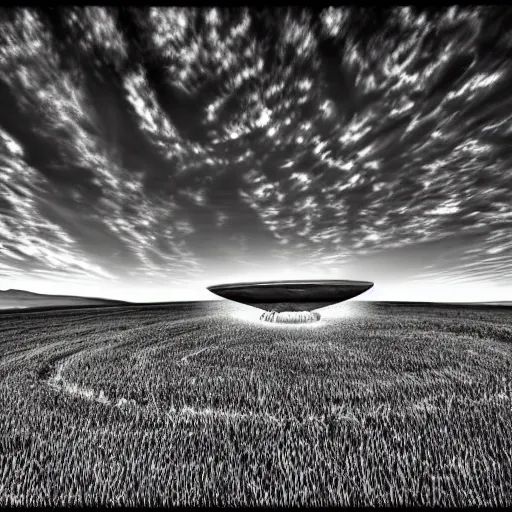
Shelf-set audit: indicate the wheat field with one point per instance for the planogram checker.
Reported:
(193, 405)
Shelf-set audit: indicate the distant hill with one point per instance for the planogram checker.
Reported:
(21, 299)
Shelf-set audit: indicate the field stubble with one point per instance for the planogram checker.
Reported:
(189, 405)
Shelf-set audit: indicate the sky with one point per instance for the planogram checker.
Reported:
(146, 153)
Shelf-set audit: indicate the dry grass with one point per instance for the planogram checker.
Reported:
(188, 405)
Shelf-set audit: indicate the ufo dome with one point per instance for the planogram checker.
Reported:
(289, 296)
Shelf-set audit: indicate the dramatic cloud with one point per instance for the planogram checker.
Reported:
(166, 148)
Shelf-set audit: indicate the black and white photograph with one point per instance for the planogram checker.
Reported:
(256, 256)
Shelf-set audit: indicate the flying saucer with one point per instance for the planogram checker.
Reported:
(291, 296)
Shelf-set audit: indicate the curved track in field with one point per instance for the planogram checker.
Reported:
(51, 359)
